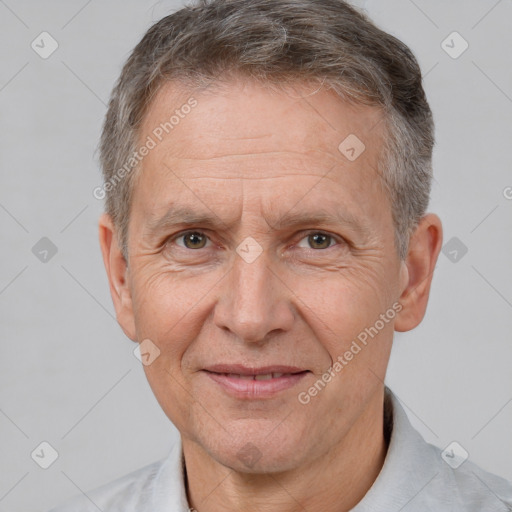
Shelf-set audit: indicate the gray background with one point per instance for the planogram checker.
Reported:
(68, 375)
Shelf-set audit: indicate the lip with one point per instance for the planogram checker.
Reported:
(236, 379)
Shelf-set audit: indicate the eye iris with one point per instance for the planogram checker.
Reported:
(194, 240)
(317, 239)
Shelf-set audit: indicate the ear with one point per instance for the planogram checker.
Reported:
(118, 273)
(417, 272)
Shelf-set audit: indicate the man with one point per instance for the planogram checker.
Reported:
(267, 173)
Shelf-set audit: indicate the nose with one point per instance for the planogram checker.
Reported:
(254, 303)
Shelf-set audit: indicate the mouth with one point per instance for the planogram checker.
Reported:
(255, 383)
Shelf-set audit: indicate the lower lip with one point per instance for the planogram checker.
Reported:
(256, 389)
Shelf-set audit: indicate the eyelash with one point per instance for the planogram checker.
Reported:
(334, 238)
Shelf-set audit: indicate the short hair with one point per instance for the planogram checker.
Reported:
(278, 42)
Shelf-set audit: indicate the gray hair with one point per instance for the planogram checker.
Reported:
(278, 42)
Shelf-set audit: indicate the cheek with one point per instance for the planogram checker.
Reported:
(163, 298)
(162, 308)
(170, 311)
(342, 311)
(341, 303)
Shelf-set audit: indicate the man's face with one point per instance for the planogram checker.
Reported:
(296, 260)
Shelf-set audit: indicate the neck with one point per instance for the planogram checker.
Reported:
(334, 482)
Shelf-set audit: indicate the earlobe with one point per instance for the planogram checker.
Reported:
(118, 275)
(417, 272)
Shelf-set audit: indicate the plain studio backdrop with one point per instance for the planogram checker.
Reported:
(68, 375)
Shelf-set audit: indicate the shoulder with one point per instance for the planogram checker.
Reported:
(418, 476)
(435, 485)
(128, 493)
(472, 488)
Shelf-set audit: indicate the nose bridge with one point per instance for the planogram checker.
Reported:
(252, 282)
(253, 304)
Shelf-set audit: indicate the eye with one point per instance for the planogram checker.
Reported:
(317, 240)
(192, 240)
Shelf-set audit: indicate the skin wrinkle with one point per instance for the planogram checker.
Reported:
(322, 367)
(243, 155)
(362, 254)
(263, 136)
(288, 306)
(356, 234)
(367, 182)
(384, 81)
(292, 305)
(188, 177)
(233, 155)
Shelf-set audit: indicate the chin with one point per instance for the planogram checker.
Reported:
(252, 450)
(250, 460)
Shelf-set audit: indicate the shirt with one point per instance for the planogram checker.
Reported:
(416, 477)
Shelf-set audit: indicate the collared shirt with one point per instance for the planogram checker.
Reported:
(416, 477)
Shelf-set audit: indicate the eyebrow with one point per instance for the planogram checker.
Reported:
(319, 217)
(181, 215)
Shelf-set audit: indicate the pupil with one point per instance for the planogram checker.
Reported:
(195, 239)
(320, 239)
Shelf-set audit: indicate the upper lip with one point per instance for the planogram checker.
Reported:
(240, 369)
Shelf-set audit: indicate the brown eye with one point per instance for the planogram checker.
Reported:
(194, 240)
(317, 241)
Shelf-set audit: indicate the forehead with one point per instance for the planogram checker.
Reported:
(303, 117)
(274, 140)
